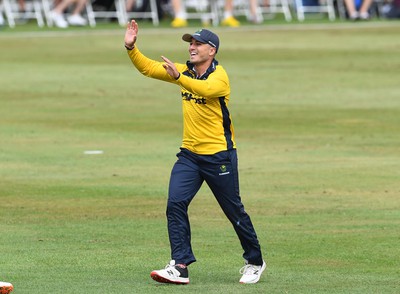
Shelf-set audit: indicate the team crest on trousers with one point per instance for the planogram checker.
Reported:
(223, 170)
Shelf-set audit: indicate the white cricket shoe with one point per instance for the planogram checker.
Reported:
(252, 273)
(172, 274)
(6, 288)
(76, 20)
(58, 20)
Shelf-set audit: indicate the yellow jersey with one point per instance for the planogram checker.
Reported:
(207, 124)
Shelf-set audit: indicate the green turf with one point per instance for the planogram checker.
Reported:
(316, 110)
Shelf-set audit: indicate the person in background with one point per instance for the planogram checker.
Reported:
(144, 6)
(130, 5)
(358, 9)
(254, 16)
(229, 20)
(391, 10)
(180, 17)
(21, 6)
(75, 19)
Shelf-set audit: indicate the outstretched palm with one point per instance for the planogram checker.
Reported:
(131, 33)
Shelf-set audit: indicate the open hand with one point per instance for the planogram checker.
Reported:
(131, 33)
(170, 68)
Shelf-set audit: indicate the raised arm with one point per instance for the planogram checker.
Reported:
(166, 71)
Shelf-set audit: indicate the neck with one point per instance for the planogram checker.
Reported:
(202, 68)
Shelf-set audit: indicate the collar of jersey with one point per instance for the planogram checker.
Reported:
(209, 70)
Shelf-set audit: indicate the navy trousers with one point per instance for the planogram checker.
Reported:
(220, 172)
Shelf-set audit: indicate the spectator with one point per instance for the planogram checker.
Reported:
(180, 17)
(130, 5)
(229, 20)
(75, 19)
(255, 17)
(143, 6)
(21, 5)
(358, 9)
(392, 9)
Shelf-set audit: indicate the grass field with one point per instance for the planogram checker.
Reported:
(316, 109)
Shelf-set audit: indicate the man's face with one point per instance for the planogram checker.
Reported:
(200, 52)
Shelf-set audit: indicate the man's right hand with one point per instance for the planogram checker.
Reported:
(131, 34)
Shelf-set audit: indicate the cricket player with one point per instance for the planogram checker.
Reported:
(207, 153)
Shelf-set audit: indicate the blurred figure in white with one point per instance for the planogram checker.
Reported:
(74, 19)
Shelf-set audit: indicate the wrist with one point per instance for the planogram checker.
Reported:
(179, 75)
(129, 47)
